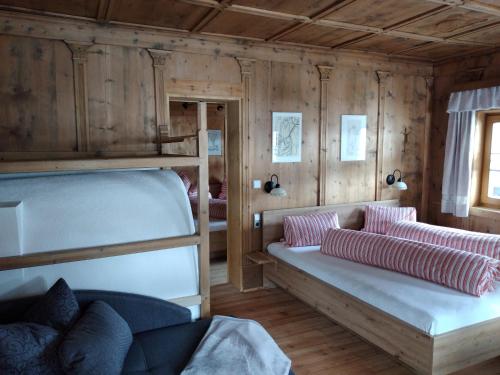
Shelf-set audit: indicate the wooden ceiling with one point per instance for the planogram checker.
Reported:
(431, 30)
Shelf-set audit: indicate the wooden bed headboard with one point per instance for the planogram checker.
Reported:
(351, 216)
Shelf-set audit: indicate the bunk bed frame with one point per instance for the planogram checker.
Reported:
(200, 239)
(423, 353)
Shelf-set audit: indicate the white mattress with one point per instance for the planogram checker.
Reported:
(64, 211)
(432, 308)
(215, 225)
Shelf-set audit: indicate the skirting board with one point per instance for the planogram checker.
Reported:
(424, 354)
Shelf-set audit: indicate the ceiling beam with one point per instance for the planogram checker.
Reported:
(323, 13)
(104, 10)
(210, 15)
(473, 5)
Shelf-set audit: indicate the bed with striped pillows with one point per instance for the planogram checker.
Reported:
(475, 242)
(378, 219)
(308, 230)
(468, 272)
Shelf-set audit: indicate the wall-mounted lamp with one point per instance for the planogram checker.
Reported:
(274, 188)
(399, 184)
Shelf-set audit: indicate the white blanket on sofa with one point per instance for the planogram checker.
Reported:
(237, 346)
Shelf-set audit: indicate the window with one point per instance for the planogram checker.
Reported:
(490, 181)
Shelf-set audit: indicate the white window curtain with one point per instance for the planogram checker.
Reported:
(458, 158)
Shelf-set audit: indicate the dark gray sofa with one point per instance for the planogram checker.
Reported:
(164, 336)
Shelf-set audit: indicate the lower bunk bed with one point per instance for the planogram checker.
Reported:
(430, 328)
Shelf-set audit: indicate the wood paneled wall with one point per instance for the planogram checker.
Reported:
(474, 71)
(39, 111)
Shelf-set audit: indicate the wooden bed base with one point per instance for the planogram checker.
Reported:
(218, 244)
(423, 353)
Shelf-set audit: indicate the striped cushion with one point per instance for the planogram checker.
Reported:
(217, 208)
(185, 180)
(223, 189)
(379, 218)
(193, 192)
(308, 230)
(468, 272)
(480, 243)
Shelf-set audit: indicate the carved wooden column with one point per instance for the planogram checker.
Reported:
(379, 163)
(161, 98)
(247, 74)
(325, 72)
(79, 52)
(426, 173)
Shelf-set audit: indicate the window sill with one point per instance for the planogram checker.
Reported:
(486, 212)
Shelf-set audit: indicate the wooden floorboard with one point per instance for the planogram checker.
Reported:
(218, 272)
(315, 344)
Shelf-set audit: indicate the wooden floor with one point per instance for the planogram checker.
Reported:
(218, 272)
(315, 344)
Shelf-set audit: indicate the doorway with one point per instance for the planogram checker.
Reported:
(224, 183)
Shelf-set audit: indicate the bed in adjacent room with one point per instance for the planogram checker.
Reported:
(431, 328)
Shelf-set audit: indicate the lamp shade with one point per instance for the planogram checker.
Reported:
(400, 185)
(278, 191)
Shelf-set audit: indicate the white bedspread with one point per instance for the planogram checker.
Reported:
(237, 346)
(432, 308)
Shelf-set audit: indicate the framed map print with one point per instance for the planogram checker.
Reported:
(287, 137)
(214, 142)
(353, 137)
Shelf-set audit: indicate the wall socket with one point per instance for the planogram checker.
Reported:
(256, 220)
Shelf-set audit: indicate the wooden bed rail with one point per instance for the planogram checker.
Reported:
(27, 166)
(95, 252)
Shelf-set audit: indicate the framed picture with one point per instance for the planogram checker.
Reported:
(287, 137)
(214, 142)
(353, 137)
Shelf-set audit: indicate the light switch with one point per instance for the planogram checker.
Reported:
(256, 184)
(256, 220)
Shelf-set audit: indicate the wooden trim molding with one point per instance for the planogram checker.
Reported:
(382, 77)
(161, 100)
(79, 55)
(426, 169)
(247, 67)
(325, 73)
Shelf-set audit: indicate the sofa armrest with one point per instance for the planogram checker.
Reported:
(142, 313)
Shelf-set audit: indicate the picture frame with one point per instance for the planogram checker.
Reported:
(214, 142)
(286, 137)
(353, 137)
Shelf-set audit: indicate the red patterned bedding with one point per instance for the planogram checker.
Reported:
(465, 271)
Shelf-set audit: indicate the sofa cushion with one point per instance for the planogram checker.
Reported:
(58, 308)
(97, 343)
(28, 348)
(165, 350)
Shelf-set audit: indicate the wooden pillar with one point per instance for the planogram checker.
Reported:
(426, 173)
(325, 73)
(79, 54)
(161, 98)
(247, 74)
(379, 163)
(203, 247)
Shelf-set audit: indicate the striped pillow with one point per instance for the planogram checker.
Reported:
(308, 230)
(378, 219)
(468, 272)
(193, 192)
(223, 189)
(185, 180)
(480, 243)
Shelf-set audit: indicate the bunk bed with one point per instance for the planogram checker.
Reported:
(429, 339)
(200, 238)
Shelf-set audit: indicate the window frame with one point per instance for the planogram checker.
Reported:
(485, 200)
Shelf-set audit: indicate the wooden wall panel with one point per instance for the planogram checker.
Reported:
(351, 92)
(405, 110)
(448, 76)
(36, 91)
(121, 99)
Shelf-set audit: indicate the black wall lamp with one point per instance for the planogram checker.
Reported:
(274, 188)
(399, 184)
